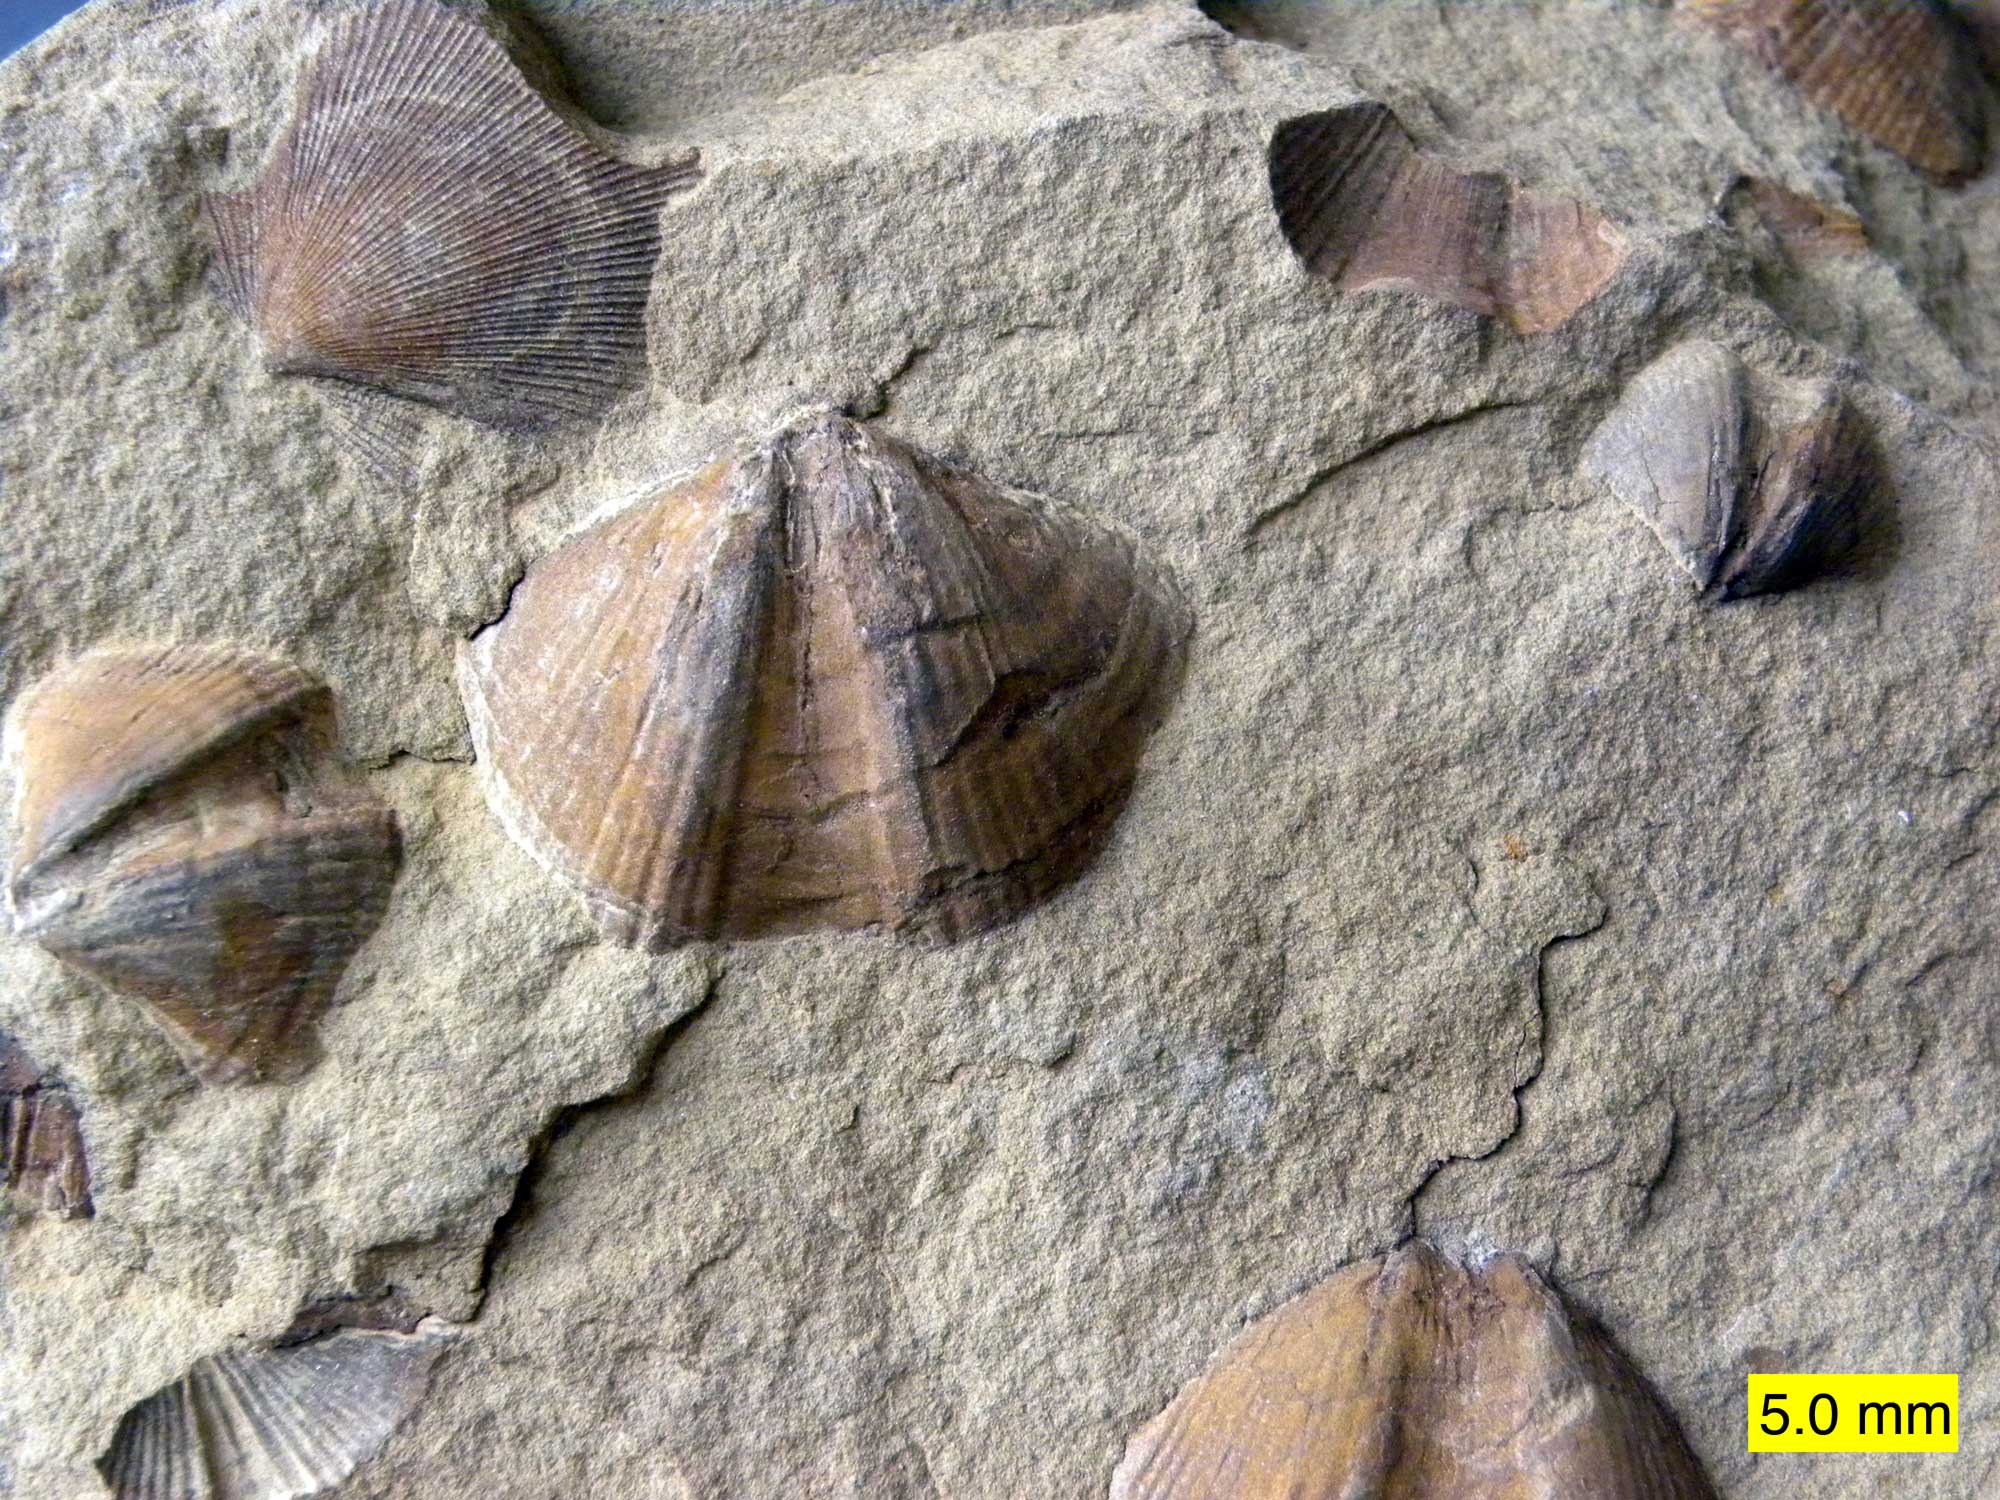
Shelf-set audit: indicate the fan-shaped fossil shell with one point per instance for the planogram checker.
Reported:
(1805, 228)
(1902, 72)
(830, 682)
(1749, 501)
(41, 1139)
(271, 1424)
(1363, 209)
(1408, 1375)
(184, 835)
(428, 226)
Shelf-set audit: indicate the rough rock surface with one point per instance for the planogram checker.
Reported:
(1481, 884)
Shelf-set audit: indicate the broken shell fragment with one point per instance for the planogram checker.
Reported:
(1805, 228)
(184, 835)
(1365, 210)
(1411, 1375)
(41, 1138)
(1751, 496)
(828, 682)
(1901, 72)
(428, 226)
(271, 1424)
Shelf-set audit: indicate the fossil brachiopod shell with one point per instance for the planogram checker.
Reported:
(1749, 495)
(41, 1139)
(1408, 1375)
(428, 226)
(1902, 72)
(271, 1424)
(829, 682)
(1364, 210)
(183, 834)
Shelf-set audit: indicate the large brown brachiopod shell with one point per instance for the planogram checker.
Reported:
(1902, 72)
(271, 1424)
(1363, 209)
(41, 1139)
(429, 227)
(830, 682)
(1408, 1375)
(183, 834)
(1749, 502)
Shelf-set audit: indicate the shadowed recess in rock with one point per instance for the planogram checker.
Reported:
(828, 682)
(429, 227)
(184, 834)
(1412, 1375)
(42, 1158)
(1904, 73)
(271, 1424)
(1752, 485)
(1366, 211)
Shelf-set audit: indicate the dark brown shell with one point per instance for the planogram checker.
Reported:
(1365, 210)
(183, 834)
(1409, 1375)
(831, 682)
(1806, 229)
(1754, 486)
(42, 1157)
(1904, 73)
(428, 226)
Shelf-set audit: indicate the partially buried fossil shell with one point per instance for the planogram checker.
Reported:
(829, 682)
(1902, 72)
(271, 1424)
(428, 226)
(1409, 1375)
(1753, 485)
(1365, 210)
(184, 834)
(42, 1157)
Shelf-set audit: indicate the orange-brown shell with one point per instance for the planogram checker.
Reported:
(429, 227)
(1365, 210)
(42, 1156)
(1412, 1378)
(831, 682)
(183, 834)
(1904, 73)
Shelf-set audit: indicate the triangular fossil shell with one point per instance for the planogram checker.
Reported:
(830, 682)
(1409, 1375)
(271, 1424)
(42, 1157)
(1902, 72)
(1363, 209)
(183, 834)
(1753, 486)
(430, 227)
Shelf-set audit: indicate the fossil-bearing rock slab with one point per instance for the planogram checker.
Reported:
(1478, 886)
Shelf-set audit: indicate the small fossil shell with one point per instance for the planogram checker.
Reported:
(271, 1424)
(41, 1139)
(830, 682)
(1364, 210)
(1749, 502)
(1805, 228)
(1902, 72)
(428, 226)
(1408, 1375)
(183, 834)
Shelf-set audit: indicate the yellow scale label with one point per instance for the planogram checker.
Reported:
(1854, 1414)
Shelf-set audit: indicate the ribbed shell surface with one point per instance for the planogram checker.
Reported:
(42, 1157)
(430, 227)
(828, 683)
(185, 837)
(1904, 73)
(270, 1424)
(1410, 1378)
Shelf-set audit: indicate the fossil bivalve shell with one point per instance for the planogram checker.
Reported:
(183, 834)
(1411, 1376)
(42, 1157)
(429, 227)
(828, 682)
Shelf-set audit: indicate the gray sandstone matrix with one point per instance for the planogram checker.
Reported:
(1481, 884)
